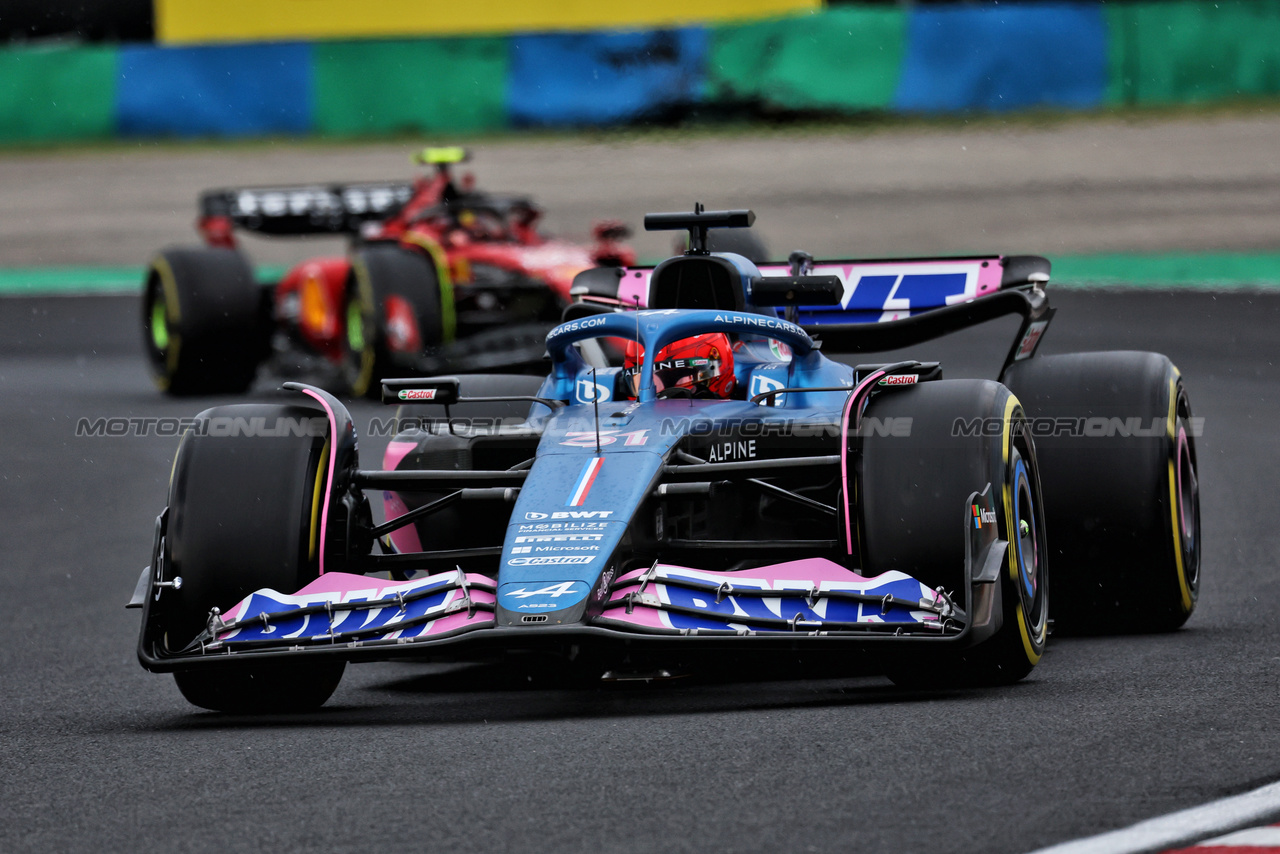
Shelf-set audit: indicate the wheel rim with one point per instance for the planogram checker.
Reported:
(355, 327)
(1025, 539)
(358, 363)
(159, 325)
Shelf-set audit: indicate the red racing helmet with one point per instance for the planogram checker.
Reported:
(702, 364)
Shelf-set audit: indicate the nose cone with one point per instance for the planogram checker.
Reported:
(571, 518)
(567, 525)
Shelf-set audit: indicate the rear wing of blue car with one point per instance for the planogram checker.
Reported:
(883, 304)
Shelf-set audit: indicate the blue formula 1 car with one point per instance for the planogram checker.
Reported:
(727, 491)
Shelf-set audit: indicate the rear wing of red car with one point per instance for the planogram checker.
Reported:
(306, 208)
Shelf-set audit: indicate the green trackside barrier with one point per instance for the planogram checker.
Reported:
(434, 85)
(1192, 51)
(1209, 271)
(846, 59)
(57, 93)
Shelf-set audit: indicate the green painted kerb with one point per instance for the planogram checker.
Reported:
(56, 281)
(74, 281)
(1213, 271)
(1200, 271)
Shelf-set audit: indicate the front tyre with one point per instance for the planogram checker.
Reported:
(1019, 644)
(912, 492)
(261, 688)
(245, 506)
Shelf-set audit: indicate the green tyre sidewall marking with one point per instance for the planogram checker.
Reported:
(355, 326)
(159, 325)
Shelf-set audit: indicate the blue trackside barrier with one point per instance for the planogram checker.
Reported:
(232, 90)
(1004, 57)
(975, 57)
(603, 78)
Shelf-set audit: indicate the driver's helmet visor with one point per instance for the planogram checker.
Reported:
(676, 373)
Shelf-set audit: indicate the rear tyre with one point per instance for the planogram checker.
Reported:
(205, 328)
(1117, 453)
(244, 514)
(394, 309)
(912, 492)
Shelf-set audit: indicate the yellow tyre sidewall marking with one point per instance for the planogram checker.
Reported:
(1029, 645)
(317, 492)
(1184, 586)
(448, 311)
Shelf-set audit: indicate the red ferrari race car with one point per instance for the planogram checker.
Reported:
(439, 276)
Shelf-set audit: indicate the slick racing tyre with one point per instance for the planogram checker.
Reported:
(395, 307)
(204, 320)
(913, 494)
(1117, 453)
(244, 513)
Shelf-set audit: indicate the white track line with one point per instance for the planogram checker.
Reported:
(1254, 837)
(1179, 828)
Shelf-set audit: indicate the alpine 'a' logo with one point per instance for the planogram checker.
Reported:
(554, 591)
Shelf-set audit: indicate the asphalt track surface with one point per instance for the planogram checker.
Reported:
(100, 755)
(96, 754)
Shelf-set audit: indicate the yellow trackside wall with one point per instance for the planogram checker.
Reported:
(207, 21)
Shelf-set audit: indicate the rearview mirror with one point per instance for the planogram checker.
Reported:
(438, 390)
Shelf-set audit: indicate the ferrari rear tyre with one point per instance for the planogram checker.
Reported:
(1116, 446)
(913, 492)
(245, 505)
(394, 309)
(204, 321)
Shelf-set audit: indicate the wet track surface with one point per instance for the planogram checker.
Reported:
(99, 755)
